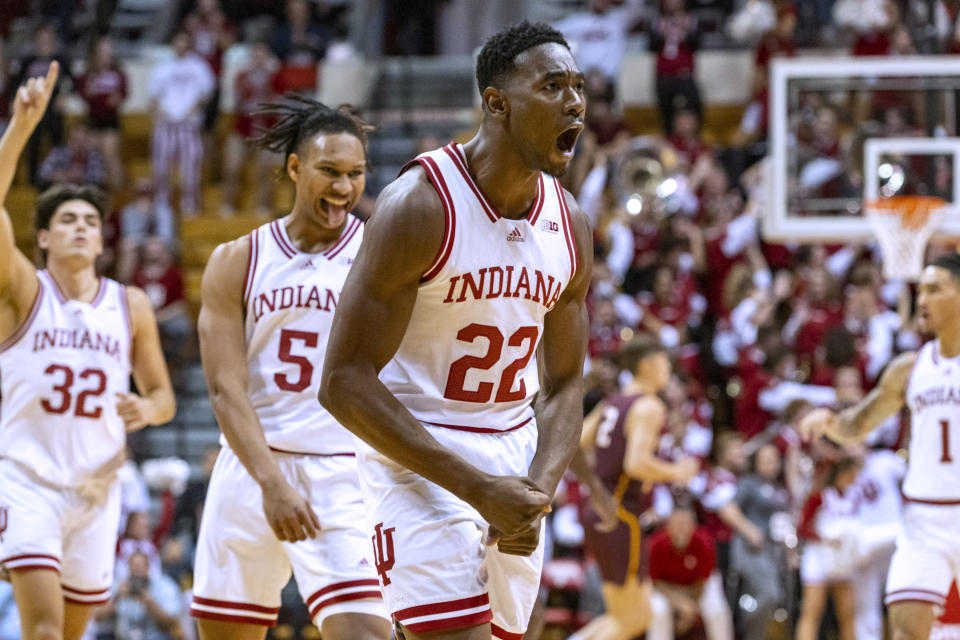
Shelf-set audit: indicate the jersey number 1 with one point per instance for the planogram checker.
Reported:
(945, 441)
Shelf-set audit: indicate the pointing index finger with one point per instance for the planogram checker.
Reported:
(53, 72)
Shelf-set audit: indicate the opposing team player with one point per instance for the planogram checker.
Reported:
(472, 277)
(284, 491)
(927, 557)
(68, 344)
(623, 433)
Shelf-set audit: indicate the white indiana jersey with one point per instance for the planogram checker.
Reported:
(468, 357)
(933, 395)
(878, 488)
(59, 376)
(290, 298)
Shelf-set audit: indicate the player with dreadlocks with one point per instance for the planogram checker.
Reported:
(284, 492)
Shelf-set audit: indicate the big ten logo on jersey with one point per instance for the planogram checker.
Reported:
(550, 225)
(383, 558)
(4, 515)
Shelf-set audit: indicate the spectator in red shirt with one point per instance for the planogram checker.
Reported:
(252, 87)
(686, 587)
(675, 38)
(104, 88)
(161, 279)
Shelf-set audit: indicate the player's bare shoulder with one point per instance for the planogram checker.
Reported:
(409, 219)
(226, 269)
(896, 376)
(648, 413)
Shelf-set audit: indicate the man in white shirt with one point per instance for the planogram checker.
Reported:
(179, 89)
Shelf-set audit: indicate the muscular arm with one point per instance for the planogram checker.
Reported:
(223, 351)
(18, 282)
(149, 367)
(559, 407)
(640, 461)
(399, 244)
(883, 401)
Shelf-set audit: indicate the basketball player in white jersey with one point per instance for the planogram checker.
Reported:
(284, 494)
(69, 342)
(927, 557)
(466, 303)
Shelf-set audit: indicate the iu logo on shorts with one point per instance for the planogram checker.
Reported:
(4, 512)
(383, 551)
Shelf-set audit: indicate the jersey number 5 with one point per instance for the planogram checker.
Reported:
(63, 403)
(287, 336)
(457, 375)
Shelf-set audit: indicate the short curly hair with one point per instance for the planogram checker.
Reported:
(499, 53)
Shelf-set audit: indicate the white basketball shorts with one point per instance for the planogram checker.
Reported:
(241, 567)
(927, 558)
(436, 571)
(72, 531)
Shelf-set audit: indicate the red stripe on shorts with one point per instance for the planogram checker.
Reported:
(241, 606)
(503, 634)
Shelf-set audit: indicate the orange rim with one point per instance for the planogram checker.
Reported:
(914, 211)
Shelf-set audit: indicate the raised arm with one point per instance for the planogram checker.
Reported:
(223, 352)
(566, 328)
(18, 283)
(855, 423)
(400, 241)
(640, 461)
(155, 403)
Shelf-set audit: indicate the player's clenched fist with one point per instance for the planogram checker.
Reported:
(133, 410)
(512, 503)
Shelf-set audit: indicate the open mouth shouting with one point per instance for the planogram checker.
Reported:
(567, 140)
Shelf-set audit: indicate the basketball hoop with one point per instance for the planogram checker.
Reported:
(903, 225)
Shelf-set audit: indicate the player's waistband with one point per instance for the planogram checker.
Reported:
(469, 429)
(935, 502)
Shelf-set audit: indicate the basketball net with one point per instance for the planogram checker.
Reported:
(903, 225)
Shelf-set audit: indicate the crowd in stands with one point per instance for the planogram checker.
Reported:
(758, 333)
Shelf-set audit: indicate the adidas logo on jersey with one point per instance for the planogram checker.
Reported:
(308, 264)
(550, 225)
(515, 236)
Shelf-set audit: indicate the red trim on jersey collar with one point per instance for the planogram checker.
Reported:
(538, 203)
(62, 297)
(449, 217)
(101, 293)
(278, 236)
(290, 250)
(459, 158)
(350, 230)
(22, 329)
